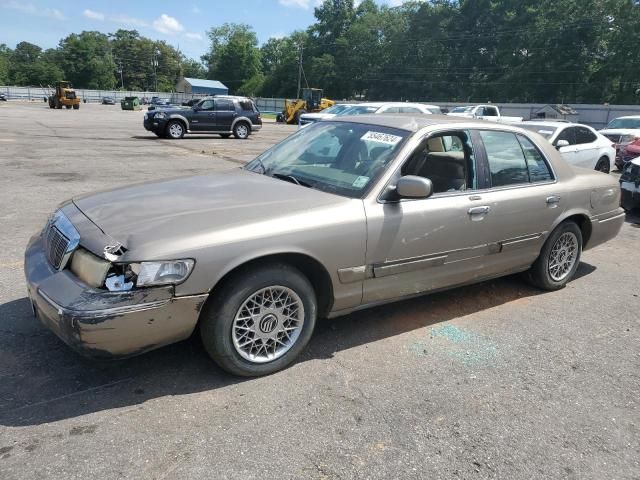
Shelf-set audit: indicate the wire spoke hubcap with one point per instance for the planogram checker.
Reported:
(268, 324)
(563, 256)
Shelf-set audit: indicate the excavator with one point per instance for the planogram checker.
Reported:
(311, 102)
(64, 95)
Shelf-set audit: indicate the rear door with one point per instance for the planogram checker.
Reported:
(523, 199)
(586, 148)
(225, 114)
(204, 117)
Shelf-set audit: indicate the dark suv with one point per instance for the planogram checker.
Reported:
(225, 115)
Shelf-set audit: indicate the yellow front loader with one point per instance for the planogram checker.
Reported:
(311, 102)
(64, 96)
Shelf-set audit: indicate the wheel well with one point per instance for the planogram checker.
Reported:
(184, 125)
(585, 226)
(246, 122)
(308, 266)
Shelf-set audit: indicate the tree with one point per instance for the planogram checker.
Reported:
(87, 61)
(193, 69)
(5, 58)
(234, 57)
(29, 65)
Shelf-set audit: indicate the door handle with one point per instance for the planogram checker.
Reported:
(553, 199)
(479, 210)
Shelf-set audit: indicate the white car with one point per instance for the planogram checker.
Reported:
(622, 131)
(391, 107)
(309, 118)
(580, 145)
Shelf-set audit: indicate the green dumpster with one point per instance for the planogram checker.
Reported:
(131, 103)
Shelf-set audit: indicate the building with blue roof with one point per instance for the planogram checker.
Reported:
(201, 86)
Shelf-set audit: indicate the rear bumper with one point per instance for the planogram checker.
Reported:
(605, 227)
(101, 324)
(256, 127)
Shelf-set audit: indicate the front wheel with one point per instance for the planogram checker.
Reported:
(241, 130)
(559, 258)
(603, 165)
(76, 106)
(175, 130)
(260, 321)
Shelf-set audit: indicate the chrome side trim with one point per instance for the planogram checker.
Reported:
(385, 270)
(519, 242)
(616, 217)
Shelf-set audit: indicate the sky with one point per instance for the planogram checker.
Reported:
(182, 24)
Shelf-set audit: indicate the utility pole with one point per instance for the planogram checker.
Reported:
(299, 70)
(121, 76)
(156, 52)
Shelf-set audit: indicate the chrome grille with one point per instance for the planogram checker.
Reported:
(57, 245)
(60, 240)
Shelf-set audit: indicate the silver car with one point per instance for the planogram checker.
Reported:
(342, 215)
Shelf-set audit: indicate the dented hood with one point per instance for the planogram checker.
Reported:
(161, 215)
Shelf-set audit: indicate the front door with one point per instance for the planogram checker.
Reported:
(203, 117)
(419, 245)
(225, 114)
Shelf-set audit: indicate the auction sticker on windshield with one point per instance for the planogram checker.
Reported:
(360, 182)
(379, 137)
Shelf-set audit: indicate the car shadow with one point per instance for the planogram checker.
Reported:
(193, 136)
(42, 380)
(633, 217)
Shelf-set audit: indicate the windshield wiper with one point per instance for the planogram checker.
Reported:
(291, 178)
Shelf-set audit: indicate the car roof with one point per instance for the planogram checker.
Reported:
(411, 122)
(628, 116)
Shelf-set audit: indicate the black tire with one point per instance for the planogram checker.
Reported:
(603, 165)
(299, 113)
(160, 134)
(76, 107)
(540, 275)
(217, 319)
(68, 107)
(174, 130)
(241, 130)
(225, 135)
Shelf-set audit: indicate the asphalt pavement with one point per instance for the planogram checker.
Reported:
(496, 380)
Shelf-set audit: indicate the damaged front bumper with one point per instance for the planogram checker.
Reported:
(630, 195)
(103, 324)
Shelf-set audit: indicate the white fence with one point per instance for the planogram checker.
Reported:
(595, 115)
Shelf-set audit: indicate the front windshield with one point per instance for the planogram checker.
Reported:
(336, 109)
(633, 123)
(461, 109)
(544, 130)
(359, 110)
(335, 157)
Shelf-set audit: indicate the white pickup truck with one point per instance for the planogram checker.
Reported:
(483, 112)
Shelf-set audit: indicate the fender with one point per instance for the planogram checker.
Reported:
(177, 116)
(238, 119)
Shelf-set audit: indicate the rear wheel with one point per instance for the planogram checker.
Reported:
(76, 107)
(298, 114)
(241, 130)
(603, 165)
(559, 258)
(175, 129)
(68, 107)
(260, 320)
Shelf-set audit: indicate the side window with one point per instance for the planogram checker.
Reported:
(490, 112)
(224, 105)
(539, 170)
(584, 135)
(392, 110)
(409, 110)
(447, 159)
(206, 105)
(247, 105)
(506, 160)
(568, 134)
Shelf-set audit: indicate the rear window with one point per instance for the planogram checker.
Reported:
(247, 105)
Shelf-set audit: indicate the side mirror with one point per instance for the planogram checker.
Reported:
(561, 143)
(412, 186)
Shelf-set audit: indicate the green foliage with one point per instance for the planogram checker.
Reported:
(438, 50)
(234, 57)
